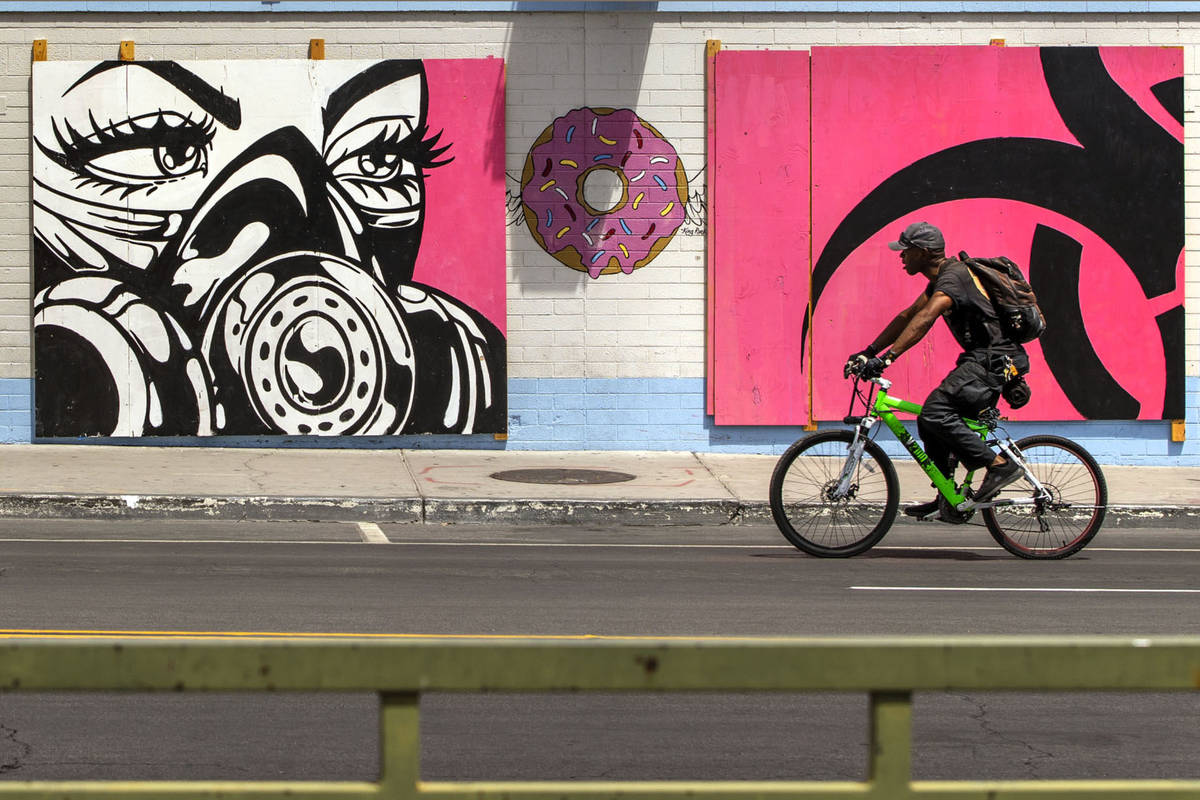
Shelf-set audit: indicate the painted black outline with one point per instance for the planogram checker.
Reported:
(1122, 153)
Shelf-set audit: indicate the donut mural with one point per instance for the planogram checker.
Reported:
(602, 191)
(268, 248)
(1067, 160)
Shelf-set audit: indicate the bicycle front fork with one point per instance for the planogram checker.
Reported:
(845, 481)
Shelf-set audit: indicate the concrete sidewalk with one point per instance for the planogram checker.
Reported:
(460, 486)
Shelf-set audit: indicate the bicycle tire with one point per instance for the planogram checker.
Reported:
(1074, 516)
(828, 528)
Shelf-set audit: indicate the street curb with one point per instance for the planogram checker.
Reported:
(407, 511)
(566, 512)
(449, 511)
(281, 509)
(1117, 516)
(1126, 516)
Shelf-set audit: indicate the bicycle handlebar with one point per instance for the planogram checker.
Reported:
(879, 380)
(855, 369)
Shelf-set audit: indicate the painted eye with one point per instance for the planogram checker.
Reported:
(382, 168)
(379, 165)
(180, 159)
(379, 178)
(137, 153)
(150, 163)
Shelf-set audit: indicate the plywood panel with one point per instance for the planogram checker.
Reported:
(1036, 154)
(269, 247)
(761, 229)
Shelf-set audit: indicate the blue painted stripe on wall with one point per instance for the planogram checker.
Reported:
(680, 6)
(647, 414)
(16, 410)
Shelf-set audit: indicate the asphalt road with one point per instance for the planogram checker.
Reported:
(88, 577)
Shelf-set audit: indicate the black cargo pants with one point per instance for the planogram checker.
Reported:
(972, 386)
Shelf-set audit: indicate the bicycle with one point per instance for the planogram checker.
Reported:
(835, 493)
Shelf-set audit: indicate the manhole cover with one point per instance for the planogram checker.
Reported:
(563, 476)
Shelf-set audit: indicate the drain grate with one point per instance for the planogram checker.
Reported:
(562, 476)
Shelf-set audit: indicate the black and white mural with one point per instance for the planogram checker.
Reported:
(268, 247)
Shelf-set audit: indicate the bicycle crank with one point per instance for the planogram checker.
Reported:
(949, 513)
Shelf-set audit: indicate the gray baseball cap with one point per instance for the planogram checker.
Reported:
(922, 235)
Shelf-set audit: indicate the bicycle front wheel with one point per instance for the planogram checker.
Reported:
(820, 513)
(1064, 522)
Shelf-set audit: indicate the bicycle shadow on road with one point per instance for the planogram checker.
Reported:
(904, 552)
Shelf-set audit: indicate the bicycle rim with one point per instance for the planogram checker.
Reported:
(803, 503)
(1065, 524)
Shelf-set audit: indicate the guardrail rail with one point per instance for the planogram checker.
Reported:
(889, 670)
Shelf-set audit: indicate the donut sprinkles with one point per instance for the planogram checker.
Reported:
(603, 144)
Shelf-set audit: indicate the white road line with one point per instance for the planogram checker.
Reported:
(633, 545)
(1018, 589)
(1143, 549)
(372, 533)
(702, 546)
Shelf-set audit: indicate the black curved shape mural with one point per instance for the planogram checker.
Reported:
(1054, 275)
(1123, 181)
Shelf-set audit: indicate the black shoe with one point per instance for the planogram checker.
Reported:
(922, 510)
(997, 478)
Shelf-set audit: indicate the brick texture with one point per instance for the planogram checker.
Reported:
(568, 333)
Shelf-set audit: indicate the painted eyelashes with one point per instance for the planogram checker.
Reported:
(135, 154)
(387, 171)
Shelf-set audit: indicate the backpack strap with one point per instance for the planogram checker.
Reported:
(965, 260)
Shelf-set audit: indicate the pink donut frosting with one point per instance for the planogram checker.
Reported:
(649, 211)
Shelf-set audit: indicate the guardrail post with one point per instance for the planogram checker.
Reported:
(891, 744)
(399, 744)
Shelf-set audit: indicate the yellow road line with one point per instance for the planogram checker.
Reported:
(56, 633)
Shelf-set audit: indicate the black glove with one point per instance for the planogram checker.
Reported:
(875, 366)
(856, 361)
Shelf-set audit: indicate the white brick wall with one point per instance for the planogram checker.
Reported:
(561, 323)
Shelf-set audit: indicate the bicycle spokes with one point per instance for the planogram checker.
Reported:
(835, 493)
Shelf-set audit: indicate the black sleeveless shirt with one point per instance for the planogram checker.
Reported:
(971, 319)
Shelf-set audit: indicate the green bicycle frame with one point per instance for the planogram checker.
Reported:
(885, 408)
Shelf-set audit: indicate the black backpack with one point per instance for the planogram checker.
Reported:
(1012, 296)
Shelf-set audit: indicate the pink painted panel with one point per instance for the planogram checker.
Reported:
(761, 237)
(463, 246)
(999, 147)
(710, 166)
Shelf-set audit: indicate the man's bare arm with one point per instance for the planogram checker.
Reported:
(897, 325)
(921, 322)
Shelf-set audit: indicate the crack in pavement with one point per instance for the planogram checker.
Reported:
(254, 474)
(15, 760)
(1031, 762)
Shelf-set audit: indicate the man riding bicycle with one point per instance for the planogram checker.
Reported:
(989, 360)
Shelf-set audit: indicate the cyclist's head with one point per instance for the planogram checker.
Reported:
(923, 236)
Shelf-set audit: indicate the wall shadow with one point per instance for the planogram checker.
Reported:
(568, 56)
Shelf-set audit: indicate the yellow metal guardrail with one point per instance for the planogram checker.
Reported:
(889, 670)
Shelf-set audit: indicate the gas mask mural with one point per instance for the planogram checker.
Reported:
(254, 248)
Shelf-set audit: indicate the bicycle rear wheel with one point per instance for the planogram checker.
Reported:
(1065, 523)
(806, 510)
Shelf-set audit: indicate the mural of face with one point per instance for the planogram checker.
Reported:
(228, 248)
